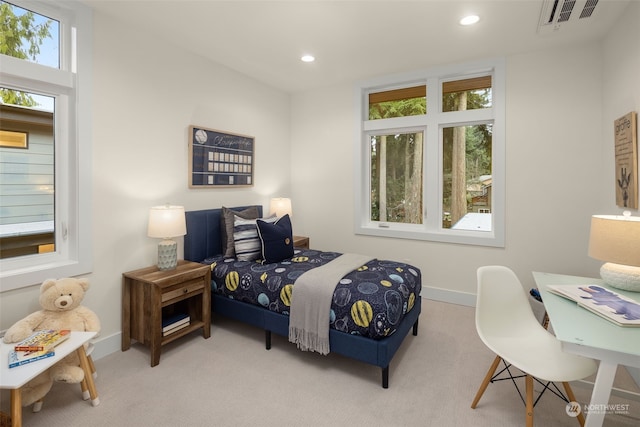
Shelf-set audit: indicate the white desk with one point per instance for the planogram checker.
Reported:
(587, 334)
(15, 378)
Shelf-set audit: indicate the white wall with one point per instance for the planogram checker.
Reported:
(621, 89)
(146, 94)
(621, 94)
(555, 167)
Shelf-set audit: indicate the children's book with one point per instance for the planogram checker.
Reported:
(43, 340)
(602, 301)
(18, 358)
(172, 322)
(174, 329)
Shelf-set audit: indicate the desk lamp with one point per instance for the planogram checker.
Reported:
(166, 222)
(615, 239)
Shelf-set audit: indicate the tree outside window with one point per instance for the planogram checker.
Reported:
(433, 173)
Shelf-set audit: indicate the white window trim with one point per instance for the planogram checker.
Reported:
(72, 86)
(432, 124)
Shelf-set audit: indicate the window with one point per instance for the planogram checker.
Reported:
(396, 171)
(45, 182)
(430, 162)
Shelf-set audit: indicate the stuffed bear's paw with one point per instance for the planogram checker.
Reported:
(68, 374)
(33, 393)
(15, 335)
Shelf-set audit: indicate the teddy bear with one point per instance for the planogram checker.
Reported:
(60, 301)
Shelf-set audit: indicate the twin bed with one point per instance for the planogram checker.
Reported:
(373, 307)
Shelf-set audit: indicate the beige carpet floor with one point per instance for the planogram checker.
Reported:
(231, 380)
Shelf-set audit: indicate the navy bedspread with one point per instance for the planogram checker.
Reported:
(370, 301)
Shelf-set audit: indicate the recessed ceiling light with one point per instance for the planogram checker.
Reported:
(308, 58)
(469, 20)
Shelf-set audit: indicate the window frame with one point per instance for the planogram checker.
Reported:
(71, 85)
(432, 123)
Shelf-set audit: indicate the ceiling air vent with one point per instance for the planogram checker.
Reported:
(557, 13)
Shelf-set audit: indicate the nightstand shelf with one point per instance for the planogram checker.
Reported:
(146, 292)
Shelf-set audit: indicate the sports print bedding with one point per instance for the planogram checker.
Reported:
(370, 301)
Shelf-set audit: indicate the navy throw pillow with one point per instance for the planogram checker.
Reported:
(276, 239)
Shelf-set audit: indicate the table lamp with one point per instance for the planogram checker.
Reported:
(166, 222)
(280, 206)
(615, 239)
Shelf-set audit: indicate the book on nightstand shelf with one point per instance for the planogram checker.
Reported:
(175, 329)
(602, 301)
(42, 340)
(175, 322)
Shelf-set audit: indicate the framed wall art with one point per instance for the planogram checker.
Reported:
(220, 159)
(626, 157)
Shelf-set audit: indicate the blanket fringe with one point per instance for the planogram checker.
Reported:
(307, 341)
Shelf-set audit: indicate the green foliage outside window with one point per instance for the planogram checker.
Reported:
(20, 37)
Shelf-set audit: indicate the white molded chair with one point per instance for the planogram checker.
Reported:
(507, 325)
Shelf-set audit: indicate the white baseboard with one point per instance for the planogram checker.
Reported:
(452, 297)
(106, 345)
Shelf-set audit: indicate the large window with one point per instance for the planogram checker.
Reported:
(45, 141)
(430, 162)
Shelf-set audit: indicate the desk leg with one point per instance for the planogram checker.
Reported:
(16, 408)
(88, 376)
(601, 392)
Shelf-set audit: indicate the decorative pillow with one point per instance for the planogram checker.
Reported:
(245, 238)
(276, 239)
(226, 227)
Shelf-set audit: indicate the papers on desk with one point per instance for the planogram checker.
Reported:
(604, 302)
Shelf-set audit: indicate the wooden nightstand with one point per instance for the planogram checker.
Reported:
(146, 292)
(301, 242)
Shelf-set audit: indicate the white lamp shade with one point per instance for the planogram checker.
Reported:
(280, 206)
(166, 221)
(615, 239)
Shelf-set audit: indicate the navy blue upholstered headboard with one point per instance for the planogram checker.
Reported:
(203, 237)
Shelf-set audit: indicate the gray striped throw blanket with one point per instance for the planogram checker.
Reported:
(311, 302)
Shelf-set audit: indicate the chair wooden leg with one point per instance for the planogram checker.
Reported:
(529, 386)
(572, 398)
(486, 381)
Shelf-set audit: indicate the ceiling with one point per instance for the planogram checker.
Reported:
(351, 40)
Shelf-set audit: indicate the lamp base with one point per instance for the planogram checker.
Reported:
(621, 276)
(167, 255)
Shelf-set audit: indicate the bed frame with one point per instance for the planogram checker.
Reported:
(203, 241)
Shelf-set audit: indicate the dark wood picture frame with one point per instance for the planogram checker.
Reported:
(220, 159)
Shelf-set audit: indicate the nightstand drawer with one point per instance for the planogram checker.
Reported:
(183, 289)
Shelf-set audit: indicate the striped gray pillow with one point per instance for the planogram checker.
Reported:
(226, 227)
(245, 238)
